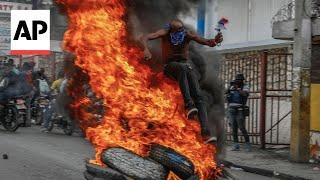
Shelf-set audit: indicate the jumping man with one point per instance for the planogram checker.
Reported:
(175, 40)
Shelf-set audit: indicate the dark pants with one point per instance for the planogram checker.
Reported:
(48, 112)
(190, 89)
(238, 122)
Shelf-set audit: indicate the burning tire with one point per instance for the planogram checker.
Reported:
(106, 173)
(133, 165)
(172, 160)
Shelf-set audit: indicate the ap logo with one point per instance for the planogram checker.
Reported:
(30, 32)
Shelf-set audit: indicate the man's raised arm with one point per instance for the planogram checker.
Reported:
(152, 36)
(208, 42)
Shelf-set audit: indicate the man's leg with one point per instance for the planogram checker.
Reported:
(234, 124)
(47, 117)
(200, 102)
(241, 122)
(179, 72)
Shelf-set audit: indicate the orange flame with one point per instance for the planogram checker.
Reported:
(97, 36)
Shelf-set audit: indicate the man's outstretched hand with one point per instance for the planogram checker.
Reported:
(147, 54)
(217, 40)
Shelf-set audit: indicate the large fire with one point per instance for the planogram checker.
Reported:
(97, 36)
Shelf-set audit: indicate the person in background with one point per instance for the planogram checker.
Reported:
(42, 85)
(43, 74)
(55, 90)
(55, 87)
(27, 70)
(13, 83)
(237, 96)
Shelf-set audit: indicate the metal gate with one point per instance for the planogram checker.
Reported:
(270, 78)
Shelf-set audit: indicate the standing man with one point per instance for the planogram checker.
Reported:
(175, 40)
(237, 96)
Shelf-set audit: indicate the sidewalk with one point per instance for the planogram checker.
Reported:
(271, 162)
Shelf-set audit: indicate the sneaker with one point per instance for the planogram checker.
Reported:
(45, 130)
(192, 112)
(248, 147)
(236, 147)
(211, 139)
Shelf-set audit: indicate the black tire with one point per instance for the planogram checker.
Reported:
(106, 173)
(68, 128)
(11, 119)
(172, 160)
(132, 165)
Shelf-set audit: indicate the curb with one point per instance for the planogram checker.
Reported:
(263, 172)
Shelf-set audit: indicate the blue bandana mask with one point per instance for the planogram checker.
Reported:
(176, 38)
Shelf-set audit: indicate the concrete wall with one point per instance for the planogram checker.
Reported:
(250, 20)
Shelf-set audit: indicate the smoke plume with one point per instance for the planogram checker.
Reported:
(149, 16)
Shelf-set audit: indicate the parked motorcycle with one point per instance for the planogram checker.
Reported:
(60, 121)
(14, 113)
(38, 108)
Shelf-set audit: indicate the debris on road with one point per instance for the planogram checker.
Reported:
(5, 156)
(236, 168)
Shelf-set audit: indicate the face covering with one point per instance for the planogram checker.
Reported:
(176, 38)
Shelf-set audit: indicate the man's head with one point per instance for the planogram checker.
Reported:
(10, 62)
(239, 78)
(177, 32)
(176, 25)
(61, 75)
(42, 70)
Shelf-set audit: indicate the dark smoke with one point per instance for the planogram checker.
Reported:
(151, 15)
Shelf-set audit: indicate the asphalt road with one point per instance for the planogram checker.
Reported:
(241, 175)
(54, 156)
(39, 156)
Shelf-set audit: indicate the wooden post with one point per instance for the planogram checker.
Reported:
(300, 126)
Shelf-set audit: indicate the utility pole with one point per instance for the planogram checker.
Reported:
(300, 126)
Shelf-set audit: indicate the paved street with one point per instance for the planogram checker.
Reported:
(241, 175)
(38, 156)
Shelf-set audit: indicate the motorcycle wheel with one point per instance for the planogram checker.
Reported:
(68, 128)
(50, 125)
(11, 119)
(39, 117)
